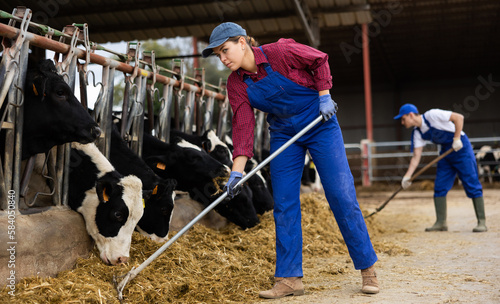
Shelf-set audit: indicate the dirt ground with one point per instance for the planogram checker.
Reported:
(457, 266)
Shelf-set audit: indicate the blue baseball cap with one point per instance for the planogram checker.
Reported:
(221, 34)
(406, 109)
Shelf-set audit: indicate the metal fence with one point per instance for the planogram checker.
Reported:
(190, 102)
(388, 161)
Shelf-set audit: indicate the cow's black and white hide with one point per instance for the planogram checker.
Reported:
(488, 163)
(110, 203)
(310, 177)
(208, 142)
(158, 193)
(52, 114)
(195, 171)
(262, 198)
(188, 164)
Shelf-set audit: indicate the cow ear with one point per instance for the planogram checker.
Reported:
(206, 145)
(103, 190)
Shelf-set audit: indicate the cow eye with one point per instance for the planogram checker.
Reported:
(118, 216)
(60, 93)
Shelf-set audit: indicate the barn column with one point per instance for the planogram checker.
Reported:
(368, 101)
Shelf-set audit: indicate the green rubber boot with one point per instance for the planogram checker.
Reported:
(481, 216)
(440, 224)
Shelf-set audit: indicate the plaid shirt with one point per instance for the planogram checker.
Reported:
(300, 63)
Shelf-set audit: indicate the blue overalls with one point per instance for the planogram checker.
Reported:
(290, 108)
(461, 162)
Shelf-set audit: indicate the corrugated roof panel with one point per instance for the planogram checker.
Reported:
(255, 26)
(358, 2)
(261, 6)
(180, 31)
(244, 8)
(342, 2)
(199, 11)
(184, 11)
(194, 30)
(270, 26)
(125, 17)
(277, 5)
(347, 19)
(167, 13)
(363, 17)
(331, 20)
(285, 24)
(153, 14)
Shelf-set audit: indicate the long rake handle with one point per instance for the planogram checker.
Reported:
(135, 271)
(440, 157)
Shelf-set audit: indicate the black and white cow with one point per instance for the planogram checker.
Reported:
(261, 196)
(310, 176)
(254, 190)
(210, 143)
(182, 161)
(52, 113)
(195, 171)
(488, 163)
(158, 194)
(110, 203)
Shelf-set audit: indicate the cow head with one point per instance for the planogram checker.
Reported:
(158, 207)
(217, 149)
(111, 211)
(52, 113)
(188, 164)
(240, 209)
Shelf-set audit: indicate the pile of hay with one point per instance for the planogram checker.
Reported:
(202, 266)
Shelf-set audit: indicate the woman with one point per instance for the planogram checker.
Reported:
(291, 83)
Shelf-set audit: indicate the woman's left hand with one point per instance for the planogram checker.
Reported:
(327, 107)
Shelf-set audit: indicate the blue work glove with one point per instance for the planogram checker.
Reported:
(234, 178)
(327, 107)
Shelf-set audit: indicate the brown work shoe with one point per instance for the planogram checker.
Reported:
(370, 282)
(284, 287)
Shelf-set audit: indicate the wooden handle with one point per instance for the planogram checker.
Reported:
(440, 157)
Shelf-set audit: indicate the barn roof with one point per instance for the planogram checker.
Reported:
(411, 40)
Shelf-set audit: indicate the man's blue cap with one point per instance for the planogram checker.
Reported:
(221, 34)
(406, 109)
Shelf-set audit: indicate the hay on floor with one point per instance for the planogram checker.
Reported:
(203, 266)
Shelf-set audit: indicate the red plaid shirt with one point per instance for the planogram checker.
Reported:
(300, 63)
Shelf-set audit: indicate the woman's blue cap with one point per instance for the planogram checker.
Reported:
(221, 34)
(406, 109)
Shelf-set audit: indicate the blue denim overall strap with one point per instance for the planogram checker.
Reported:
(461, 163)
(290, 108)
(439, 137)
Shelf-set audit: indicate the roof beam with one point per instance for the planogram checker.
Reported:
(309, 23)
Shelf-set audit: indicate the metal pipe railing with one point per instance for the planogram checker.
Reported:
(58, 47)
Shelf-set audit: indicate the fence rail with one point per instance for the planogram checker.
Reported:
(388, 161)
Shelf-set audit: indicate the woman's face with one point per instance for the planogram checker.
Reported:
(231, 53)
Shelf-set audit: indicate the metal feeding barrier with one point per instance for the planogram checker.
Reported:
(140, 93)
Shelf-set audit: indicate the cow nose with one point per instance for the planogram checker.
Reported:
(96, 132)
(121, 260)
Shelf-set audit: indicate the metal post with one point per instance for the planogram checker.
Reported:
(367, 81)
(164, 116)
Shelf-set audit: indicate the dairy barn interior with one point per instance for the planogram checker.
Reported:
(434, 54)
